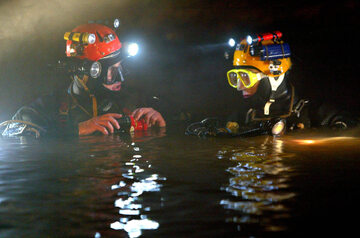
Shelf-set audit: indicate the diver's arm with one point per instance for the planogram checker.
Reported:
(42, 118)
(210, 126)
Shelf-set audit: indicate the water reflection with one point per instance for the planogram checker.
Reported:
(258, 183)
(137, 179)
(327, 140)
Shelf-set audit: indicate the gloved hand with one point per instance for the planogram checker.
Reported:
(206, 127)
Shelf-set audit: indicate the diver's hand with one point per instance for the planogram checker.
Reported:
(104, 124)
(151, 116)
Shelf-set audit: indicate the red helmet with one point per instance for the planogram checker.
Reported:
(103, 41)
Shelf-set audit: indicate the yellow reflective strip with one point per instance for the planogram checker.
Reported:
(66, 35)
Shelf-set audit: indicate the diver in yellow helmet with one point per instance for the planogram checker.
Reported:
(262, 67)
(261, 73)
(271, 105)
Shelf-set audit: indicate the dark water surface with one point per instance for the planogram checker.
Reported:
(171, 185)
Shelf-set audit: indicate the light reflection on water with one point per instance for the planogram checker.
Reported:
(177, 186)
(136, 179)
(74, 183)
(258, 183)
(135, 182)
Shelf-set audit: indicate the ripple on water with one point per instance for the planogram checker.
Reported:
(137, 179)
(258, 184)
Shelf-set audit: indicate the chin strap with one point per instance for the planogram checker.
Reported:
(275, 83)
(83, 82)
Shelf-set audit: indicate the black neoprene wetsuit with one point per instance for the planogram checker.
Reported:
(58, 114)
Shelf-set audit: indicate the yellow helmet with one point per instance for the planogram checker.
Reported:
(244, 56)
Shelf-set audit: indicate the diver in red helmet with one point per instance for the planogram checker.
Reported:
(95, 101)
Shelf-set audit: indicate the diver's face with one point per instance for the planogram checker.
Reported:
(114, 77)
(247, 92)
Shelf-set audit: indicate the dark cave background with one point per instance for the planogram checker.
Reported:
(182, 48)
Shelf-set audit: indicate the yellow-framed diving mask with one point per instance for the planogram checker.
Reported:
(247, 77)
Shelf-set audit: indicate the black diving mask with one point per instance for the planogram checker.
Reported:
(108, 70)
(113, 75)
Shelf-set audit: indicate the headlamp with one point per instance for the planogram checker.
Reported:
(99, 71)
(129, 49)
(249, 39)
(116, 23)
(87, 67)
(113, 23)
(252, 39)
(231, 42)
(278, 128)
(132, 49)
(95, 69)
(247, 77)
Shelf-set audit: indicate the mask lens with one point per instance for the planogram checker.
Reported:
(245, 79)
(114, 74)
(233, 79)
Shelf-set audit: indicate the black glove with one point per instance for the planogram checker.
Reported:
(206, 127)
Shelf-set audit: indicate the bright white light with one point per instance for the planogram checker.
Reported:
(120, 185)
(231, 42)
(133, 49)
(249, 40)
(91, 38)
(278, 128)
(129, 212)
(134, 227)
(95, 69)
(116, 23)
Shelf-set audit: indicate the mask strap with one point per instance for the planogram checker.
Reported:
(260, 76)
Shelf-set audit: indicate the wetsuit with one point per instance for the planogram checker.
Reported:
(251, 116)
(285, 101)
(298, 112)
(59, 113)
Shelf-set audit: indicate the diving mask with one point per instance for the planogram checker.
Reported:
(247, 77)
(114, 74)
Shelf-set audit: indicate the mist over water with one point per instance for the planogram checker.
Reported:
(182, 54)
(31, 37)
(172, 185)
